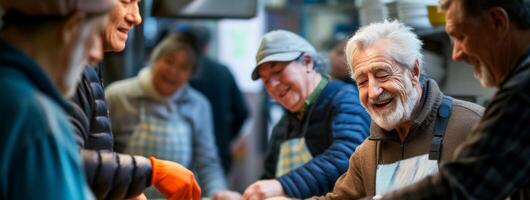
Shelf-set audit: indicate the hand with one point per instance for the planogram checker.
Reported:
(139, 197)
(174, 181)
(263, 189)
(226, 195)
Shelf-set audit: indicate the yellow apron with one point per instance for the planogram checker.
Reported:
(293, 154)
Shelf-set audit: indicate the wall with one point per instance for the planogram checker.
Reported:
(460, 81)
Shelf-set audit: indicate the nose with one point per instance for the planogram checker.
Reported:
(133, 16)
(458, 53)
(374, 90)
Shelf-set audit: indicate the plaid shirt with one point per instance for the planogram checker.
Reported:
(494, 162)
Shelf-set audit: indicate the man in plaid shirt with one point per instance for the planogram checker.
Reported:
(494, 162)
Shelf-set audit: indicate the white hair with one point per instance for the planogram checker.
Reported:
(405, 47)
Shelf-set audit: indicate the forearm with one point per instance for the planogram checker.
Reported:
(113, 175)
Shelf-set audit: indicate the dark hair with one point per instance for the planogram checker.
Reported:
(199, 36)
(518, 10)
(173, 42)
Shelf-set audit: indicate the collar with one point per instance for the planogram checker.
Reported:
(145, 78)
(423, 116)
(313, 96)
(15, 58)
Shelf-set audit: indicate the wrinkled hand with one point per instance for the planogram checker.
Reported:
(139, 197)
(226, 195)
(174, 181)
(263, 189)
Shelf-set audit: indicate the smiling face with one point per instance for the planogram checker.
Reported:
(472, 43)
(387, 90)
(172, 71)
(123, 17)
(287, 82)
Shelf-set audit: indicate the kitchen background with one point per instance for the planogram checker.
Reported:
(237, 25)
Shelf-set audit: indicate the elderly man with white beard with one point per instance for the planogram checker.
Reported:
(414, 128)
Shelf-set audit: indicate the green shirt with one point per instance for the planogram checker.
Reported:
(313, 96)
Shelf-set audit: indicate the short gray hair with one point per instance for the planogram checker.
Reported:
(171, 44)
(319, 63)
(405, 47)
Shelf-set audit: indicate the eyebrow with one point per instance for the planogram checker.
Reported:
(381, 67)
(274, 64)
(374, 69)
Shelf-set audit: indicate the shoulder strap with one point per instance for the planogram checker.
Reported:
(444, 112)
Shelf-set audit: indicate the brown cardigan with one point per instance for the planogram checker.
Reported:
(359, 180)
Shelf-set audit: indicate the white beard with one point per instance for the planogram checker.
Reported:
(403, 110)
(484, 76)
(77, 63)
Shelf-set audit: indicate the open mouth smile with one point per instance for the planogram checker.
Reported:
(382, 104)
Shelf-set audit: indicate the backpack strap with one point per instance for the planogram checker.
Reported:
(440, 126)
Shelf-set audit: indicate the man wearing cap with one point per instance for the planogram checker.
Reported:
(111, 175)
(44, 46)
(323, 123)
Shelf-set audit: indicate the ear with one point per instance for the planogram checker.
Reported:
(308, 62)
(415, 72)
(70, 29)
(499, 20)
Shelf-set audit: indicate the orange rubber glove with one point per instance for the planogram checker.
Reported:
(174, 181)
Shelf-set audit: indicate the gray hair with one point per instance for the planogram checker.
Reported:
(319, 63)
(169, 45)
(518, 10)
(405, 47)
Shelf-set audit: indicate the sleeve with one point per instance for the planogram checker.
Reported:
(206, 160)
(45, 162)
(110, 175)
(350, 184)
(116, 176)
(81, 110)
(350, 126)
(239, 107)
(491, 164)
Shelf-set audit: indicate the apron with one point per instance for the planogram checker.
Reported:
(393, 176)
(402, 173)
(294, 152)
(167, 139)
